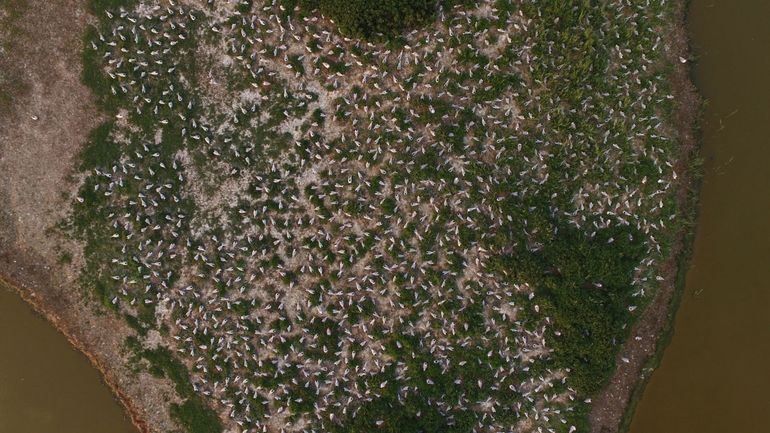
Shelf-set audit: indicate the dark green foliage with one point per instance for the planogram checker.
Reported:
(65, 257)
(93, 75)
(397, 417)
(389, 205)
(586, 282)
(193, 414)
(99, 151)
(415, 412)
(102, 293)
(163, 362)
(297, 65)
(196, 417)
(368, 18)
(135, 324)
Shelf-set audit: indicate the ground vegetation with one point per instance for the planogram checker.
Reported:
(449, 227)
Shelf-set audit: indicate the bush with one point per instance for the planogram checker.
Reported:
(585, 284)
(415, 415)
(194, 415)
(368, 18)
(100, 151)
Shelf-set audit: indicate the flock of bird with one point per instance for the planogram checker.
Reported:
(308, 219)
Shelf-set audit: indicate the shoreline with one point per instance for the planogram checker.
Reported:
(40, 307)
(51, 113)
(621, 395)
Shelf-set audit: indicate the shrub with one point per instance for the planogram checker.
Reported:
(368, 18)
(586, 285)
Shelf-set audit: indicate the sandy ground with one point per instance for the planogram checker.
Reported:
(613, 403)
(41, 69)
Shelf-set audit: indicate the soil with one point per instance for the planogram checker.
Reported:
(616, 400)
(45, 121)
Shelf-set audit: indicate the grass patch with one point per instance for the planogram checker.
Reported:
(374, 18)
(194, 415)
(99, 150)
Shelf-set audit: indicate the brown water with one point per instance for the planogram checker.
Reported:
(46, 386)
(715, 375)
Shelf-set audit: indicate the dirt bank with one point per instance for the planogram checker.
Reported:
(613, 407)
(46, 116)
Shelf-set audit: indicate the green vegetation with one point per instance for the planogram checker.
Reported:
(371, 17)
(386, 414)
(194, 415)
(446, 231)
(587, 285)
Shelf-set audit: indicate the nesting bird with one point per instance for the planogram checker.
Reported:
(315, 221)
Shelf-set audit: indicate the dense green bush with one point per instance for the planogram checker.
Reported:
(586, 286)
(367, 18)
(414, 415)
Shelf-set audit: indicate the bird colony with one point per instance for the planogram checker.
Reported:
(448, 230)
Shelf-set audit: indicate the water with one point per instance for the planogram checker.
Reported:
(46, 386)
(715, 375)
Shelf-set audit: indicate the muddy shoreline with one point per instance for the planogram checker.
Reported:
(613, 408)
(48, 119)
(41, 307)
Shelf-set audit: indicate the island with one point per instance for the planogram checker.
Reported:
(352, 216)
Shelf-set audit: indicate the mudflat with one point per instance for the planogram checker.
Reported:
(46, 117)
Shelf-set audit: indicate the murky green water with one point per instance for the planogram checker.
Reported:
(46, 386)
(715, 375)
